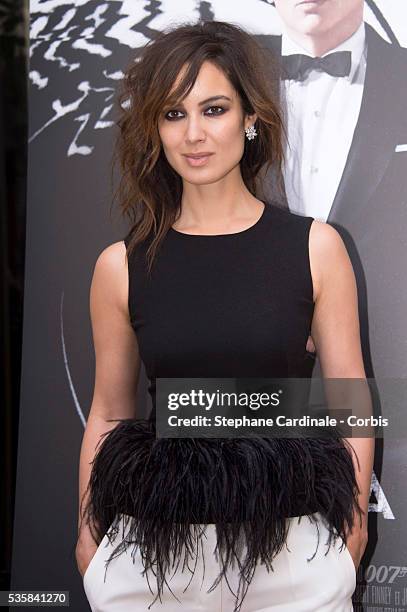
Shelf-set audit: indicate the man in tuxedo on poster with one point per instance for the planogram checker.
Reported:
(346, 155)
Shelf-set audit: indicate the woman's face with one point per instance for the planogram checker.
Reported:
(203, 124)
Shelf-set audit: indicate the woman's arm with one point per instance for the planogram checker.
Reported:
(116, 373)
(336, 335)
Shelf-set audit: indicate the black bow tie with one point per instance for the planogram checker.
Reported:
(296, 66)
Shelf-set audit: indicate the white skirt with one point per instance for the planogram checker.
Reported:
(324, 583)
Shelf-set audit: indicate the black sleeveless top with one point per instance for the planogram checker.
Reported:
(228, 305)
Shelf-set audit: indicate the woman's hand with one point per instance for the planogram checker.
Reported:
(356, 544)
(84, 554)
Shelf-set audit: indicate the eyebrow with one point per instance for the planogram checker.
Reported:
(213, 98)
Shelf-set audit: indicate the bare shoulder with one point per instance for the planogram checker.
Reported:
(110, 276)
(324, 238)
(328, 254)
(113, 256)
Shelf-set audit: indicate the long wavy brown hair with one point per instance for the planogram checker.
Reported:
(149, 189)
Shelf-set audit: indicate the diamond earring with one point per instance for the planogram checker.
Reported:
(251, 132)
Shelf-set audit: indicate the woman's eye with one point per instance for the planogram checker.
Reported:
(168, 115)
(173, 115)
(219, 110)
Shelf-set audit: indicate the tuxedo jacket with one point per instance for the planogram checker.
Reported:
(370, 206)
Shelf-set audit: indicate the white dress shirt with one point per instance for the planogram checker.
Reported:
(320, 114)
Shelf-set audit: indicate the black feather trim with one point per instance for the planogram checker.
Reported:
(247, 487)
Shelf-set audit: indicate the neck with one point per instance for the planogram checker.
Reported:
(212, 206)
(317, 44)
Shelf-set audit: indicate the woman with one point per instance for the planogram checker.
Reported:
(217, 282)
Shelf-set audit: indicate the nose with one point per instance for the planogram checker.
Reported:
(194, 129)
